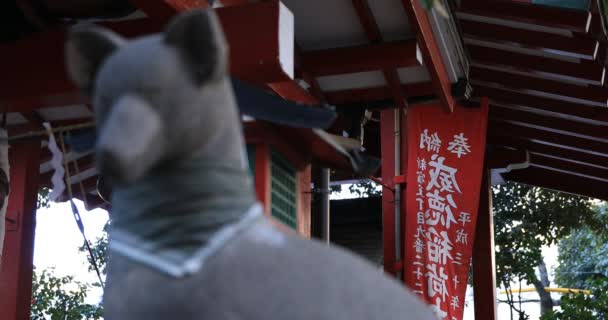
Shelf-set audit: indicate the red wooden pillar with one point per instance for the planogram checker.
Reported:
(387, 144)
(393, 264)
(262, 175)
(17, 259)
(484, 267)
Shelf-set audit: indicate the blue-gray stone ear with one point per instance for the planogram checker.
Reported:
(86, 49)
(198, 37)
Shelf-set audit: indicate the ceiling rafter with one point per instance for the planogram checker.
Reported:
(506, 140)
(523, 12)
(586, 71)
(368, 22)
(560, 181)
(594, 94)
(532, 133)
(431, 54)
(581, 47)
(563, 108)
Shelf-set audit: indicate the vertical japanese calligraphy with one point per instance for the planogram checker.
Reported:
(445, 163)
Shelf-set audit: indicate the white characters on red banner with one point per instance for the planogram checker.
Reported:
(437, 190)
(430, 142)
(459, 145)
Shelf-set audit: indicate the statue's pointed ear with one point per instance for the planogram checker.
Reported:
(198, 36)
(86, 49)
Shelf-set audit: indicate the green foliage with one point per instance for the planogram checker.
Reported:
(61, 298)
(365, 189)
(427, 4)
(43, 198)
(583, 307)
(583, 256)
(100, 250)
(527, 218)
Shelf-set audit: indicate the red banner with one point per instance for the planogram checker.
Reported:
(445, 164)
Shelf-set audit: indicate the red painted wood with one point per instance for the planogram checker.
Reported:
(301, 71)
(366, 18)
(30, 80)
(546, 16)
(569, 127)
(262, 175)
(516, 81)
(401, 54)
(484, 267)
(401, 179)
(585, 47)
(502, 157)
(387, 140)
(290, 90)
(531, 133)
(586, 70)
(572, 109)
(368, 22)
(165, 9)
(430, 51)
(577, 169)
(554, 150)
(353, 96)
(560, 182)
(17, 258)
(304, 201)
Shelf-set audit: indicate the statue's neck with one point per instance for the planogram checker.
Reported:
(182, 205)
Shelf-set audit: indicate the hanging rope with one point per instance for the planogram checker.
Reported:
(36, 134)
(75, 211)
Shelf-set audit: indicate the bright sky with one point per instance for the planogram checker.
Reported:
(58, 239)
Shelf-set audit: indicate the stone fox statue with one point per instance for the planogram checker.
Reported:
(188, 240)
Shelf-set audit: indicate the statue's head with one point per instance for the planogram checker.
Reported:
(156, 98)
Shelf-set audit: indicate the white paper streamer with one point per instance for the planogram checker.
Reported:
(57, 165)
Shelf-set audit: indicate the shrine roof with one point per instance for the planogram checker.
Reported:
(542, 67)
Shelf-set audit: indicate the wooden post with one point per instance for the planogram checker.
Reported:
(387, 142)
(17, 260)
(484, 267)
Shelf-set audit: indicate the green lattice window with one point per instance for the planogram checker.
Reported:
(283, 194)
(251, 159)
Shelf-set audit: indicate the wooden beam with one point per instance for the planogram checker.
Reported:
(17, 258)
(560, 181)
(522, 12)
(499, 157)
(580, 47)
(353, 96)
(290, 90)
(502, 157)
(165, 9)
(546, 137)
(587, 72)
(595, 94)
(565, 126)
(400, 54)
(572, 110)
(31, 80)
(367, 20)
(430, 52)
(575, 168)
(484, 266)
(532, 145)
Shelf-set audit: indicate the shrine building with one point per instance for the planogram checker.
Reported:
(449, 100)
